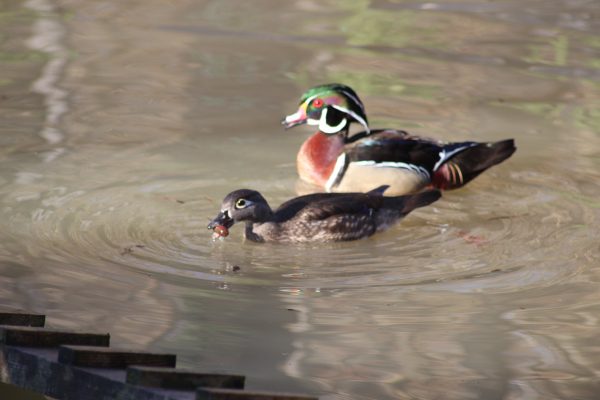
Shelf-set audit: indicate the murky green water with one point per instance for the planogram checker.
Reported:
(123, 124)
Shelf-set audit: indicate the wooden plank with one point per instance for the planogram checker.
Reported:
(88, 356)
(180, 379)
(41, 337)
(205, 393)
(22, 319)
(30, 369)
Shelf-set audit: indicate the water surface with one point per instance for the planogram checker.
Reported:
(124, 124)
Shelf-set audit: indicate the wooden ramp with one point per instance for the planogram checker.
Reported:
(68, 365)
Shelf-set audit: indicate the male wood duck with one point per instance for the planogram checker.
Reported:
(339, 162)
(316, 217)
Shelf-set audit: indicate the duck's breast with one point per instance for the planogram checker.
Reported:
(317, 156)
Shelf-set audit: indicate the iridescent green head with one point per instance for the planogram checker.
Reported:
(332, 107)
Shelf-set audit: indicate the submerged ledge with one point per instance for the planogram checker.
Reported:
(76, 365)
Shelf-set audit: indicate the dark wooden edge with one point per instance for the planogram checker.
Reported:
(181, 379)
(22, 319)
(41, 337)
(205, 393)
(97, 357)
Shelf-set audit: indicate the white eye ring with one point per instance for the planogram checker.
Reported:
(241, 203)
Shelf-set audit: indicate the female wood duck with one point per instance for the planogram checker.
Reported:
(339, 162)
(316, 217)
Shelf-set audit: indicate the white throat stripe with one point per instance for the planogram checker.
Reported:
(337, 169)
(354, 115)
(323, 127)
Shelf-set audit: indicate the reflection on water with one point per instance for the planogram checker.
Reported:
(124, 124)
(47, 38)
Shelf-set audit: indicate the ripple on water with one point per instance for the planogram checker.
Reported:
(493, 236)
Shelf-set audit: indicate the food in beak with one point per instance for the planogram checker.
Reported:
(220, 231)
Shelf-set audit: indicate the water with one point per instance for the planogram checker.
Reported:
(124, 124)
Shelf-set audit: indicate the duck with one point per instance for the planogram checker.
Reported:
(317, 217)
(337, 161)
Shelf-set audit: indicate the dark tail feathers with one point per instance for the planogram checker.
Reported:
(379, 190)
(468, 164)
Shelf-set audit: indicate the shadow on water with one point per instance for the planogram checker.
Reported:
(125, 124)
(14, 393)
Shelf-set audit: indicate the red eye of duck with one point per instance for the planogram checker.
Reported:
(318, 103)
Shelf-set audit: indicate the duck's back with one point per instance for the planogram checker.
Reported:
(339, 217)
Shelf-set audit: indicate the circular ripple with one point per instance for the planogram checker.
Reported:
(497, 236)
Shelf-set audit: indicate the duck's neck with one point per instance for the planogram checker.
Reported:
(250, 235)
(261, 213)
(317, 156)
